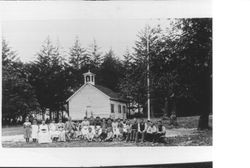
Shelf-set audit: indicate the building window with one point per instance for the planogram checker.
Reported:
(119, 108)
(112, 108)
(124, 109)
(87, 78)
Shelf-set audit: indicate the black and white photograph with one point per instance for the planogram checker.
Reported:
(82, 83)
(118, 83)
(133, 79)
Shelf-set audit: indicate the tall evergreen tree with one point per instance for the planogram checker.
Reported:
(78, 55)
(95, 56)
(110, 71)
(180, 66)
(79, 62)
(46, 77)
(137, 78)
(18, 98)
(8, 55)
(195, 57)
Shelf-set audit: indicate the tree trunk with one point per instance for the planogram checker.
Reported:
(43, 113)
(166, 107)
(204, 115)
(50, 114)
(57, 116)
(23, 117)
(128, 110)
(203, 122)
(173, 116)
(152, 115)
(138, 107)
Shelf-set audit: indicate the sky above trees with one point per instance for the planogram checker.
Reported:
(119, 35)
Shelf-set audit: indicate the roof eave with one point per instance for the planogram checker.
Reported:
(75, 92)
(120, 100)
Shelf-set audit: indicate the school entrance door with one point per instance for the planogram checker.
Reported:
(88, 111)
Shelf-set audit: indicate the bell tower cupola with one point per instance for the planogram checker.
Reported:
(89, 77)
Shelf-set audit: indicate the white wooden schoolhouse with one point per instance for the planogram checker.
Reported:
(95, 100)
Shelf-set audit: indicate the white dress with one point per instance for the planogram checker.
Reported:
(93, 128)
(85, 127)
(98, 131)
(44, 135)
(116, 131)
(90, 136)
(54, 133)
(61, 131)
(34, 131)
(124, 127)
(78, 132)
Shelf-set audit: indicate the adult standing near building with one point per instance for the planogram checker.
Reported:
(61, 130)
(69, 129)
(35, 128)
(92, 123)
(85, 126)
(44, 135)
(134, 129)
(98, 122)
(53, 130)
(142, 127)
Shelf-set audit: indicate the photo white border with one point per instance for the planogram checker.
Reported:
(103, 156)
(43, 10)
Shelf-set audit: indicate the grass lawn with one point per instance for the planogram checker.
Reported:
(196, 138)
(13, 130)
(203, 138)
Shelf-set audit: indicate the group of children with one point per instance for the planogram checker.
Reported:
(95, 129)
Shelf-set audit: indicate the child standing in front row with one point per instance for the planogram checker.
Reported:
(34, 128)
(27, 129)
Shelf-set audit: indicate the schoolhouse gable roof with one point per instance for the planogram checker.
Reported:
(108, 92)
(113, 95)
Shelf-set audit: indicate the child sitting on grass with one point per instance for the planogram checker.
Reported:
(98, 132)
(54, 133)
(103, 134)
(120, 128)
(124, 129)
(90, 135)
(84, 127)
(150, 132)
(142, 127)
(78, 133)
(110, 135)
(115, 129)
(160, 132)
(61, 130)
